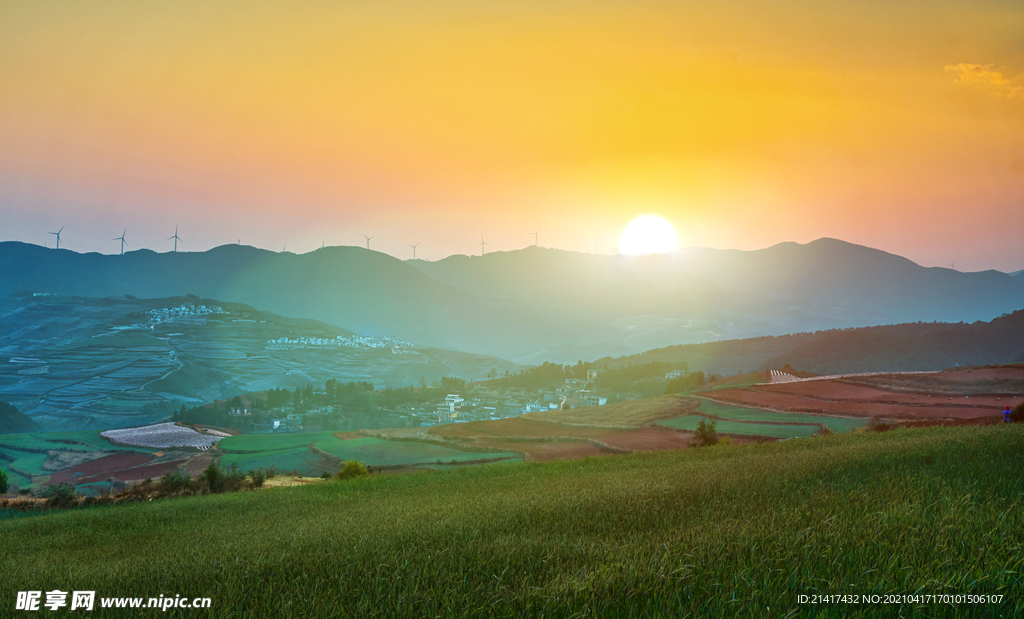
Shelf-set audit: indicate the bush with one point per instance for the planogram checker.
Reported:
(257, 477)
(60, 495)
(3, 482)
(177, 482)
(877, 425)
(705, 435)
(218, 481)
(271, 472)
(352, 468)
(1018, 413)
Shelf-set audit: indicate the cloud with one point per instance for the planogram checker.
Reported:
(985, 75)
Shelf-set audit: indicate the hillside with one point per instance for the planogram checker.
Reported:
(890, 348)
(369, 292)
(722, 531)
(539, 304)
(75, 363)
(701, 294)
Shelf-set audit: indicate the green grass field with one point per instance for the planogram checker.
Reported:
(51, 440)
(379, 452)
(31, 463)
(737, 531)
(835, 424)
(295, 459)
(255, 443)
(690, 422)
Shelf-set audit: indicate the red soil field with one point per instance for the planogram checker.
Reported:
(154, 471)
(544, 451)
(101, 466)
(653, 438)
(518, 427)
(911, 396)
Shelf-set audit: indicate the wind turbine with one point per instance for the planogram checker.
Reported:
(414, 250)
(368, 241)
(483, 245)
(597, 243)
(535, 236)
(121, 238)
(176, 239)
(58, 236)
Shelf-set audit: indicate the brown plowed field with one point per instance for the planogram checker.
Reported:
(154, 471)
(654, 438)
(101, 466)
(544, 451)
(517, 427)
(961, 394)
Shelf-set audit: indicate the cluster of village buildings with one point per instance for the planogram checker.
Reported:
(482, 403)
(156, 316)
(356, 341)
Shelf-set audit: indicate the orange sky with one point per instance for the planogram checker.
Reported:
(743, 123)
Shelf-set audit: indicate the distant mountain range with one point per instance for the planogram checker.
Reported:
(539, 304)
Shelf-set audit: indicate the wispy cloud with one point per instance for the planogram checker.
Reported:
(1009, 85)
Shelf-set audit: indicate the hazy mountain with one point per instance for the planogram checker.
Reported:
(1018, 274)
(541, 304)
(705, 294)
(368, 292)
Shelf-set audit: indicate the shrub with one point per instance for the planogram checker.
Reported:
(705, 435)
(877, 425)
(352, 468)
(3, 482)
(1018, 413)
(325, 475)
(176, 482)
(218, 481)
(257, 477)
(60, 495)
(271, 472)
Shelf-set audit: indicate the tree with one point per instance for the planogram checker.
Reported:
(705, 435)
(3, 482)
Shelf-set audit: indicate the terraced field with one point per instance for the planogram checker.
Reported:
(959, 394)
(834, 424)
(724, 426)
(379, 452)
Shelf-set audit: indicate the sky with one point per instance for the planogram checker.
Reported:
(898, 126)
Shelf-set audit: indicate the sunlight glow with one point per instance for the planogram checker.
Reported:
(648, 234)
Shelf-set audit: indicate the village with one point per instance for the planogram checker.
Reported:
(428, 406)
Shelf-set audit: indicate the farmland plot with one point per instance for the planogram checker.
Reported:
(162, 435)
(379, 452)
(834, 424)
(689, 423)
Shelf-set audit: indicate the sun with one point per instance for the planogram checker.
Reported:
(648, 234)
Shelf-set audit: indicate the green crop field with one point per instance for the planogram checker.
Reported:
(52, 440)
(689, 423)
(299, 459)
(14, 478)
(31, 463)
(379, 452)
(835, 424)
(254, 443)
(739, 531)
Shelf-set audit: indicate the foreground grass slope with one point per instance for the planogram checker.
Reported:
(725, 531)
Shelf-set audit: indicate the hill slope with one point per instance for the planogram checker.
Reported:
(713, 532)
(541, 304)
